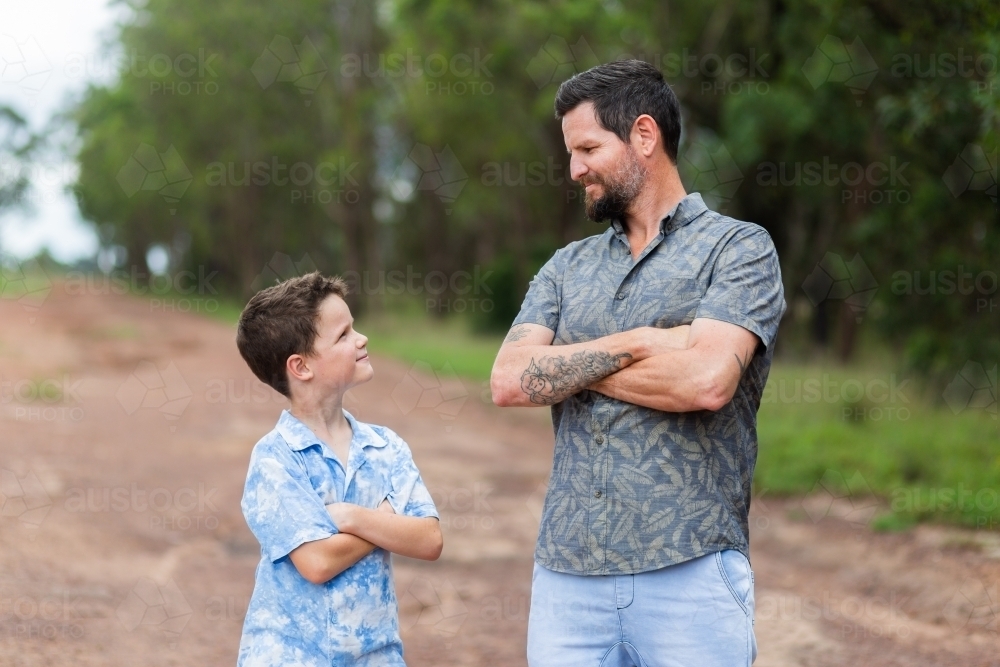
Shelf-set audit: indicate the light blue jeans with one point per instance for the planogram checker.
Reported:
(695, 614)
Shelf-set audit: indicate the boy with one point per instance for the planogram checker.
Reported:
(328, 497)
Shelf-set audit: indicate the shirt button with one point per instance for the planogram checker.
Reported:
(620, 296)
(600, 439)
(597, 494)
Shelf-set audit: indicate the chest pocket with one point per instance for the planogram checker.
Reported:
(666, 302)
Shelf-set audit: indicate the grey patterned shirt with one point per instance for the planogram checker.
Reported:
(635, 489)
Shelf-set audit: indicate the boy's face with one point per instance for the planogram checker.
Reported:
(339, 359)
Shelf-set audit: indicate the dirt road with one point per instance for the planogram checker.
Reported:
(125, 431)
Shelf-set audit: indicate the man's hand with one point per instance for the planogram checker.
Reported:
(661, 341)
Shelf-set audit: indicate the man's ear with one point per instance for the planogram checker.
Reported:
(645, 135)
(297, 367)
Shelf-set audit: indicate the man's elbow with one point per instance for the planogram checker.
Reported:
(716, 393)
(500, 391)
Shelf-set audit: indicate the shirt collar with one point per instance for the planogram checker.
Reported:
(684, 212)
(299, 436)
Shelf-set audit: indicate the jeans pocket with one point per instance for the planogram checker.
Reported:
(735, 570)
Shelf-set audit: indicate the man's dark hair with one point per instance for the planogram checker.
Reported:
(621, 92)
(281, 321)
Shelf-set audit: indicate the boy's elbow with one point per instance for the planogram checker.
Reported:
(314, 573)
(434, 545)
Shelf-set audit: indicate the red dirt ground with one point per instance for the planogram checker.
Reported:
(160, 573)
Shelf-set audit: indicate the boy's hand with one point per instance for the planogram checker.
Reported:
(347, 516)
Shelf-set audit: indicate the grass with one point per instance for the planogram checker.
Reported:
(853, 432)
(922, 459)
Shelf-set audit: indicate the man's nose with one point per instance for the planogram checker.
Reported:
(577, 169)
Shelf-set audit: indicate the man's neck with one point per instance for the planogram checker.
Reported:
(642, 221)
(650, 207)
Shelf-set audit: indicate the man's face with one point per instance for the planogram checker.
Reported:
(608, 168)
(339, 359)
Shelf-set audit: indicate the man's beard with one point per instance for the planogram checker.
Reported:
(620, 189)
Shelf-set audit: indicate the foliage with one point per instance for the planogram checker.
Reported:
(437, 115)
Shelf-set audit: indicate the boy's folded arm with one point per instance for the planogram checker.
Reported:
(415, 537)
(320, 561)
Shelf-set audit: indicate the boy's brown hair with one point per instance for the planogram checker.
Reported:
(280, 321)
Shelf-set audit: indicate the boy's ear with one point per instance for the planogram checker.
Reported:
(298, 368)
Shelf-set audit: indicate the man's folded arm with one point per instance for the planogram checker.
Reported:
(704, 376)
(529, 371)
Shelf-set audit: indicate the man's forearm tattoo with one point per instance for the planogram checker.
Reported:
(516, 334)
(744, 362)
(552, 379)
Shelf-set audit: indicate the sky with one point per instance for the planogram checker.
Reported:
(49, 51)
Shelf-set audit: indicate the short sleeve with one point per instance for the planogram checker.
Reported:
(409, 495)
(281, 507)
(746, 287)
(541, 303)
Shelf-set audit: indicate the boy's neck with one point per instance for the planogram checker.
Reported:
(327, 422)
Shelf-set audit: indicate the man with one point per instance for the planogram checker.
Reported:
(642, 555)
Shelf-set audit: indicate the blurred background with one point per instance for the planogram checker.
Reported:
(161, 161)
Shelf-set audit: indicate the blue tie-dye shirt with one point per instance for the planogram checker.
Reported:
(351, 619)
